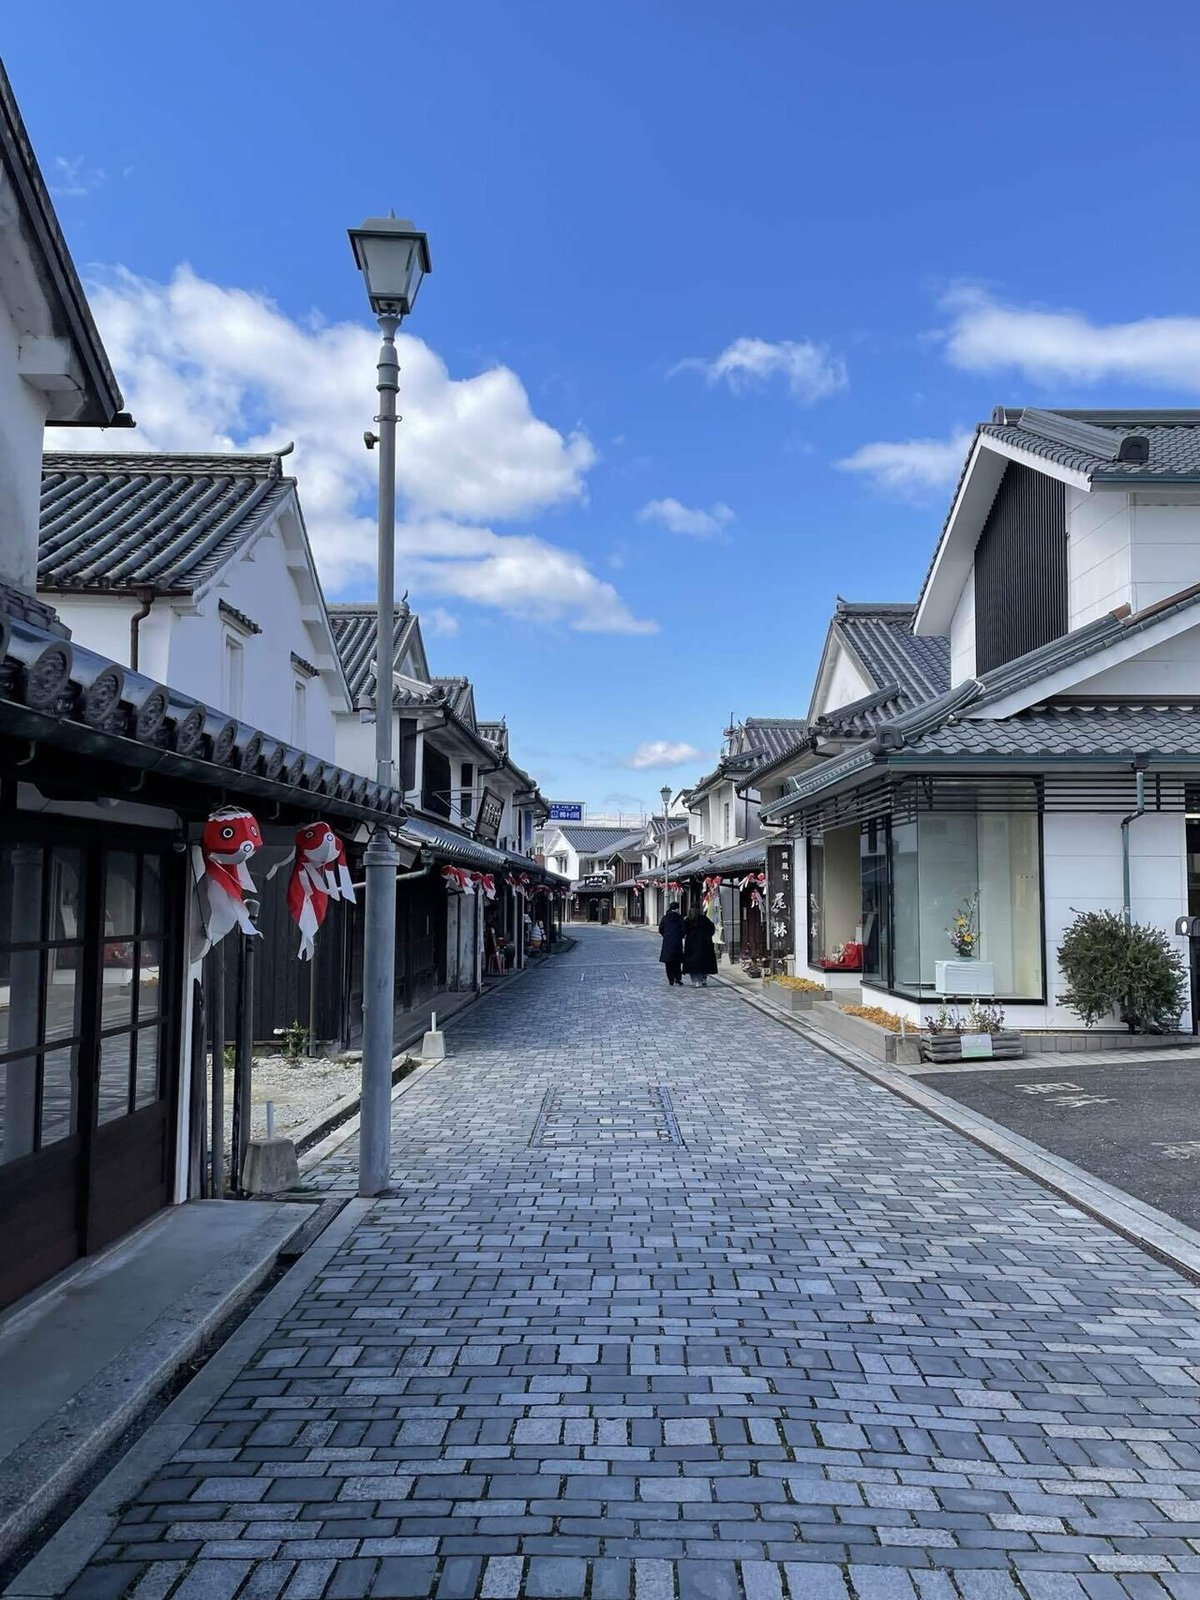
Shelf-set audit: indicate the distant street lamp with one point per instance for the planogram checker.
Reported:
(665, 796)
(393, 259)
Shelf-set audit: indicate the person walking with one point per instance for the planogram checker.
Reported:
(671, 954)
(699, 954)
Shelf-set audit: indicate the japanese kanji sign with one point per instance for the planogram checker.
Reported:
(780, 901)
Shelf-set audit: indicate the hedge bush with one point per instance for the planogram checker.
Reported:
(1134, 971)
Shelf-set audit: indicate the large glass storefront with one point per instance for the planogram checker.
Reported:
(895, 887)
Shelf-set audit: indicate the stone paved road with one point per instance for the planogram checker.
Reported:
(822, 1347)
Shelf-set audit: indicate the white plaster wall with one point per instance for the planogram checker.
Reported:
(843, 683)
(1166, 549)
(1083, 873)
(101, 623)
(22, 422)
(185, 649)
(262, 586)
(1099, 561)
(962, 635)
(1172, 667)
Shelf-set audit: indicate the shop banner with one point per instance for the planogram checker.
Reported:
(781, 901)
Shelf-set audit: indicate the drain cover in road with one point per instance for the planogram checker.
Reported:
(584, 1117)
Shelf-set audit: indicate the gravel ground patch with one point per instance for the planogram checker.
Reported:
(300, 1091)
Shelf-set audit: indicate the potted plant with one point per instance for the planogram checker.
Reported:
(978, 1034)
(798, 994)
(1131, 970)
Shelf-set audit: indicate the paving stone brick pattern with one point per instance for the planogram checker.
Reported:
(821, 1348)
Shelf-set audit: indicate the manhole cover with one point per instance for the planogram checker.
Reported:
(583, 1117)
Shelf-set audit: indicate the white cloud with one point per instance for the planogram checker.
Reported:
(911, 467)
(210, 368)
(517, 573)
(71, 177)
(662, 753)
(1066, 346)
(441, 622)
(678, 518)
(810, 370)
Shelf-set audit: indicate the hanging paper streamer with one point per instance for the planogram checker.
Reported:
(319, 875)
(486, 882)
(457, 879)
(229, 839)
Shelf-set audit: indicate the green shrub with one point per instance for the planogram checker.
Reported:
(1134, 971)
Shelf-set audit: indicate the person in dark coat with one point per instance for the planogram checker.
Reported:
(671, 954)
(699, 954)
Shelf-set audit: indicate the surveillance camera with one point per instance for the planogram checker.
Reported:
(370, 439)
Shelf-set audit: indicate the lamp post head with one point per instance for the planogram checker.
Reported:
(665, 797)
(393, 257)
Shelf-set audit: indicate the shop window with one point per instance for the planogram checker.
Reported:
(41, 950)
(985, 863)
(131, 1008)
(834, 895)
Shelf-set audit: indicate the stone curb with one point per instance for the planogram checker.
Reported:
(64, 1557)
(1160, 1235)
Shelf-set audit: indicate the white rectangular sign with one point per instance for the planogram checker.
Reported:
(976, 1046)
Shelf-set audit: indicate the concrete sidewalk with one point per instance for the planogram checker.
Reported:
(81, 1358)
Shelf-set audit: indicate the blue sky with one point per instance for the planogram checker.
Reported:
(716, 291)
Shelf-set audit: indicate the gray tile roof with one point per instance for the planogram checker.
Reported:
(768, 737)
(708, 863)
(881, 638)
(160, 522)
(1091, 441)
(459, 696)
(587, 840)
(946, 718)
(630, 845)
(354, 634)
(757, 741)
(1046, 732)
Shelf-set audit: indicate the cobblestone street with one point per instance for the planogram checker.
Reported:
(665, 1302)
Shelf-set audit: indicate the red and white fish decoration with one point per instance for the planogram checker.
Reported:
(229, 839)
(319, 875)
(458, 879)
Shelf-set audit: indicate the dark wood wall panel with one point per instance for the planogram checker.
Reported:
(1021, 568)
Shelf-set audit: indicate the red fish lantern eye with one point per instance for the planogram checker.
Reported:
(227, 833)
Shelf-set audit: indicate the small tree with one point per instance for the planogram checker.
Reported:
(1131, 970)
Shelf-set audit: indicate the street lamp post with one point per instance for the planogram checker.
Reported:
(664, 795)
(393, 258)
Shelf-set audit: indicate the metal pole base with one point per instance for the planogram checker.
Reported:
(379, 980)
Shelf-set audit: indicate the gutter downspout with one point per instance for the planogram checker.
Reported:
(1140, 763)
(135, 623)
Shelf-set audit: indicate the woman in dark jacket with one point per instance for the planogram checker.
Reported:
(699, 955)
(671, 954)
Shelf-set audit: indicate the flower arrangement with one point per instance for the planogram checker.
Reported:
(963, 932)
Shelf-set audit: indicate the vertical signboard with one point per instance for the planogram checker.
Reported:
(781, 902)
(491, 814)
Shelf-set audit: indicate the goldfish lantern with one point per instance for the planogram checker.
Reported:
(229, 839)
(319, 875)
